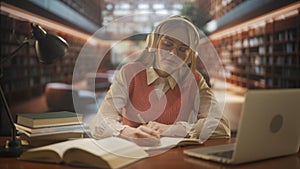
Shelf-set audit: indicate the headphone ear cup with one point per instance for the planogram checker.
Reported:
(149, 41)
(152, 42)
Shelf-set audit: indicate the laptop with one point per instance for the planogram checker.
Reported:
(269, 127)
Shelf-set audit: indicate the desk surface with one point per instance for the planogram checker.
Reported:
(174, 159)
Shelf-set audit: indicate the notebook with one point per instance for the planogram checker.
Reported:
(269, 127)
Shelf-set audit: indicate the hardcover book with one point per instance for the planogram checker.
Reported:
(46, 119)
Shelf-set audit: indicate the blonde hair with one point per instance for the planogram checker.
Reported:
(161, 29)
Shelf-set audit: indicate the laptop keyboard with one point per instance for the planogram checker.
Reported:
(225, 154)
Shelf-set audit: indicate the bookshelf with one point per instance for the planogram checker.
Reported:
(263, 56)
(24, 77)
(220, 7)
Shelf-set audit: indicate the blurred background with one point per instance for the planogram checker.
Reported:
(255, 41)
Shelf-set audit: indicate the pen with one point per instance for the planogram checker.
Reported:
(141, 119)
(153, 133)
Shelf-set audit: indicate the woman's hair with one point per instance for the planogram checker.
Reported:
(163, 28)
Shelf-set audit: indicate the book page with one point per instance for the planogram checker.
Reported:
(49, 130)
(114, 152)
(114, 145)
(49, 153)
(169, 142)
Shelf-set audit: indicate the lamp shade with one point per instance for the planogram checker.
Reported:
(49, 47)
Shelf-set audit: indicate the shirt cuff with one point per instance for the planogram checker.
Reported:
(186, 125)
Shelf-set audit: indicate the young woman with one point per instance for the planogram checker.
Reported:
(162, 93)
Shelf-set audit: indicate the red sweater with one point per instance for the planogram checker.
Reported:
(175, 106)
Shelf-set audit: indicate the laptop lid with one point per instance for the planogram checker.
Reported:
(269, 126)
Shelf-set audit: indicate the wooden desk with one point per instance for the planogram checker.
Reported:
(173, 158)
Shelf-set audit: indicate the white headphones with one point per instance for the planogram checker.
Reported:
(152, 38)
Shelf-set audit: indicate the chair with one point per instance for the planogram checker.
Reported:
(61, 96)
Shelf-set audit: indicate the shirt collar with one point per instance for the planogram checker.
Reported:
(152, 76)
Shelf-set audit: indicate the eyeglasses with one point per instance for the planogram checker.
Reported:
(168, 44)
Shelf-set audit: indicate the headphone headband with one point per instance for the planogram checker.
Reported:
(193, 35)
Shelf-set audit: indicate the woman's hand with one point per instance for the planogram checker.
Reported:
(141, 135)
(159, 127)
(167, 130)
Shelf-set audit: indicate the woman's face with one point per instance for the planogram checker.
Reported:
(172, 53)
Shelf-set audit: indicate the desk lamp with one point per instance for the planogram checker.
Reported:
(49, 48)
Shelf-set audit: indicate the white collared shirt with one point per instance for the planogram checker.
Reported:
(108, 121)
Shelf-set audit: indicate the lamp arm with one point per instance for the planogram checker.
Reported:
(13, 147)
(3, 100)
(14, 131)
(58, 47)
(13, 54)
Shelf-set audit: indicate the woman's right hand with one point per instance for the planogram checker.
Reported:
(141, 135)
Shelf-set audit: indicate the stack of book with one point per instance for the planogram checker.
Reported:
(49, 127)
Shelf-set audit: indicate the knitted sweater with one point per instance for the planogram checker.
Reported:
(174, 106)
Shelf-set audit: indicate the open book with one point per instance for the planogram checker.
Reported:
(112, 152)
(170, 142)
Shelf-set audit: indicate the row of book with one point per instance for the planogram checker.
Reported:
(39, 129)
